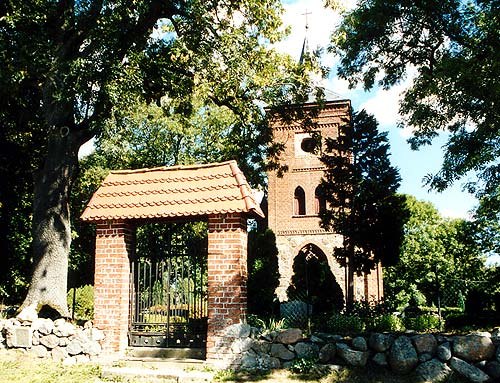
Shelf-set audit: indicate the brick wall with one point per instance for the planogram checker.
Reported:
(227, 277)
(114, 249)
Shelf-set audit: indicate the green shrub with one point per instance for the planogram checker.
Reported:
(302, 366)
(425, 322)
(344, 323)
(84, 302)
(385, 322)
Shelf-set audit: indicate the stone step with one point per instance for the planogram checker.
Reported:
(185, 354)
(154, 370)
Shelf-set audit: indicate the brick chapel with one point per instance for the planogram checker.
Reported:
(295, 200)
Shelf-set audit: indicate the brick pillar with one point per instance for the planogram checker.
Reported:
(114, 248)
(227, 277)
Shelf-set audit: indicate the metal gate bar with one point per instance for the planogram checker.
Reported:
(169, 300)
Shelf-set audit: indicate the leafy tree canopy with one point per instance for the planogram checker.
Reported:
(453, 46)
(69, 67)
(435, 250)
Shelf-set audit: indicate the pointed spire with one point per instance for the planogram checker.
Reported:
(305, 45)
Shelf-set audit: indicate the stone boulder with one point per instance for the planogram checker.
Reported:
(432, 371)
(289, 336)
(473, 348)
(74, 347)
(425, 343)
(241, 345)
(467, 370)
(63, 329)
(249, 361)
(402, 356)
(28, 314)
(380, 342)
(306, 350)
(44, 326)
(359, 343)
(424, 357)
(352, 357)
(59, 353)
(50, 341)
(281, 352)
(327, 353)
(443, 352)
(380, 359)
(238, 330)
(39, 351)
(94, 334)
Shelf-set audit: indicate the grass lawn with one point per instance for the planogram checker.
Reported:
(17, 367)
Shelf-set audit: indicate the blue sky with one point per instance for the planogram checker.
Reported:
(413, 165)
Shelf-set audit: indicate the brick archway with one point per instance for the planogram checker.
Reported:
(218, 193)
(314, 281)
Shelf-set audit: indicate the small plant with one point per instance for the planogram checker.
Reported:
(386, 322)
(424, 322)
(225, 376)
(345, 323)
(271, 324)
(81, 302)
(275, 324)
(302, 366)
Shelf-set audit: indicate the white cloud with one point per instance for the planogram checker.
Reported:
(384, 105)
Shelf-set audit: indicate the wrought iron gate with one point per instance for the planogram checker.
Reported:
(169, 299)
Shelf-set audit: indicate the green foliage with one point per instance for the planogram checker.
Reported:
(339, 323)
(385, 322)
(170, 76)
(424, 322)
(263, 275)
(360, 187)
(452, 49)
(302, 365)
(437, 255)
(82, 300)
(271, 324)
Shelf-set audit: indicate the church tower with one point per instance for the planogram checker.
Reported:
(305, 250)
(295, 200)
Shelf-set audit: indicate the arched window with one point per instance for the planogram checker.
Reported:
(319, 200)
(299, 202)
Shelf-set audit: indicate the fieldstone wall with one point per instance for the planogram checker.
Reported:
(60, 340)
(430, 357)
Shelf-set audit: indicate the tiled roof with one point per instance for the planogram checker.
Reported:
(168, 192)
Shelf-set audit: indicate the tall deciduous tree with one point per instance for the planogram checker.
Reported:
(360, 187)
(74, 58)
(454, 47)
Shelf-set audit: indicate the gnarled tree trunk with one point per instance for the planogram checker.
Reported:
(51, 224)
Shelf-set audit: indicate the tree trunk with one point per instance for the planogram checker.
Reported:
(51, 224)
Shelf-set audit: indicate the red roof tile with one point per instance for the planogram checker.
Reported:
(167, 192)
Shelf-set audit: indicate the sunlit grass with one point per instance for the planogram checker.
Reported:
(18, 367)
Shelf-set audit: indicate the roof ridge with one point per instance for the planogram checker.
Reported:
(173, 168)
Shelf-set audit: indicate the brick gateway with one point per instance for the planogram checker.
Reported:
(217, 193)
